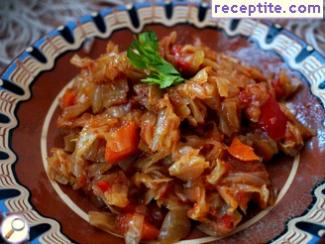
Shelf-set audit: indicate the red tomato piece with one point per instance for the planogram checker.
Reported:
(180, 62)
(176, 49)
(272, 119)
(103, 185)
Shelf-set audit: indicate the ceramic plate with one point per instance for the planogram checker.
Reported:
(32, 83)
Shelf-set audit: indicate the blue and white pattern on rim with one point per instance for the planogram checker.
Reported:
(16, 80)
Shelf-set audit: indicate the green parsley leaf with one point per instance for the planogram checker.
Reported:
(143, 53)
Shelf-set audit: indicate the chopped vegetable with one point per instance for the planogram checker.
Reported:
(187, 59)
(181, 63)
(103, 185)
(176, 226)
(283, 86)
(227, 221)
(148, 231)
(222, 225)
(122, 222)
(190, 166)
(121, 143)
(242, 151)
(218, 171)
(264, 145)
(70, 142)
(272, 119)
(143, 54)
(134, 229)
(68, 99)
(229, 117)
(103, 220)
(118, 189)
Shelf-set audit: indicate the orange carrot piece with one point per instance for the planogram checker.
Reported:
(242, 151)
(121, 143)
(68, 99)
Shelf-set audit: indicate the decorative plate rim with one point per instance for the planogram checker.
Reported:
(17, 79)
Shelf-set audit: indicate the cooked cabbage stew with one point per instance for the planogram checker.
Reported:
(166, 137)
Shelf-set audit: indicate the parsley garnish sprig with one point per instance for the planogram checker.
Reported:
(143, 53)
